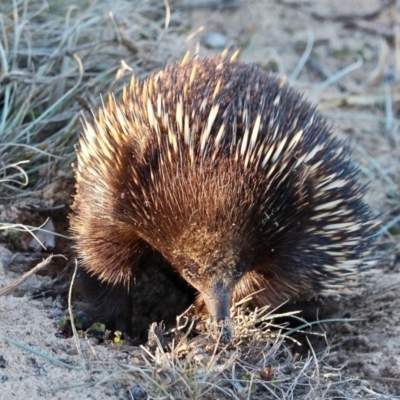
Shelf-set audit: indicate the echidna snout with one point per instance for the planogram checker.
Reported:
(218, 301)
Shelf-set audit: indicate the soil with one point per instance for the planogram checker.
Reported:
(273, 34)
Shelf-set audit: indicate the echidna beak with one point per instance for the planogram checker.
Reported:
(218, 300)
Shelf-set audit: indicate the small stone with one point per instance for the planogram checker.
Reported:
(215, 40)
(137, 392)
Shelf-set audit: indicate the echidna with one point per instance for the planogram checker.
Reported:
(229, 176)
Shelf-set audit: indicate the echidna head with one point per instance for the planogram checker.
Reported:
(213, 268)
(213, 265)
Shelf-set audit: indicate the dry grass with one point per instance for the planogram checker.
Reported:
(57, 58)
(259, 363)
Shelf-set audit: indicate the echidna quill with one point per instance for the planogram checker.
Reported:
(231, 177)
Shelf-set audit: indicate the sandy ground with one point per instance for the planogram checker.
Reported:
(273, 34)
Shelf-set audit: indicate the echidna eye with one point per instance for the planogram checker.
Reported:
(242, 267)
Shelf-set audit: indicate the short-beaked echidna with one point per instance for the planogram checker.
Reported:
(229, 176)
